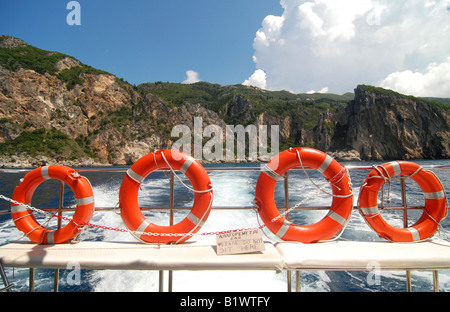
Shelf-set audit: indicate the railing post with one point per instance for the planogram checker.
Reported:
(31, 286)
(436, 280)
(5, 278)
(404, 202)
(172, 195)
(408, 281)
(298, 282)
(170, 280)
(405, 225)
(172, 205)
(286, 193)
(286, 206)
(289, 281)
(161, 281)
(60, 208)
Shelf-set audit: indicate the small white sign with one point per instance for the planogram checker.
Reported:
(240, 242)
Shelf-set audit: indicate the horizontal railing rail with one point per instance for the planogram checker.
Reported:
(212, 169)
(231, 168)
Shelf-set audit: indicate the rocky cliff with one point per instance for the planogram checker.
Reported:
(53, 108)
(381, 124)
(385, 125)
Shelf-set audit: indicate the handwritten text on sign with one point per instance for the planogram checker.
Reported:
(245, 241)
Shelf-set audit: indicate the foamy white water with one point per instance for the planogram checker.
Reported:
(225, 195)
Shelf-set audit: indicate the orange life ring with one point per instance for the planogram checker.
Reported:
(435, 201)
(24, 219)
(131, 214)
(342, 203)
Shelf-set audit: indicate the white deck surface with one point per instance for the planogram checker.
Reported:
(346, 255)
(341, 255)
(136, 256)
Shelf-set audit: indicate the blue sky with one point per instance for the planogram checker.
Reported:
(295, 45)
(147, 41)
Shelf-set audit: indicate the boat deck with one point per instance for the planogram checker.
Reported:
(135, 256)
(337, 256)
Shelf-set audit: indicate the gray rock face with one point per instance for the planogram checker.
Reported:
(386, 126)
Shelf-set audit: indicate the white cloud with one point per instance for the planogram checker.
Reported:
(435, 81)
(323, 90)
(343, 43)
(192, 77)
(272, 26)
(258, 79)
(332, 19)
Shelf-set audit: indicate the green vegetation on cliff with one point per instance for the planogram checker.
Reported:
(442, 102)
(275, 103)
(43, 142)
(30, 57)
(73, 76)
(43, 62)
